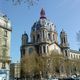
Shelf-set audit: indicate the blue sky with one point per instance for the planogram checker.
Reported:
(63, 13)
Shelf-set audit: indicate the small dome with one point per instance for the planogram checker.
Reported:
(63, 33)
(24, 38)
(25, 34)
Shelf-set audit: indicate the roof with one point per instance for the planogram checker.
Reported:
(74, 51)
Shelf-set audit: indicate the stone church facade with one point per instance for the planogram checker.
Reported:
(44, 39)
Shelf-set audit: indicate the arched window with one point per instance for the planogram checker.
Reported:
(53, 36)
(33, 38)
(49, 36)
(30, 50)
(64, 40)
(79, 56)
(38, 37)
(43, 34)
(44, 49)
(47, 49)
(5, 33)
(66, 53)
(61, 40)
(22, 52)
(74, 56)
(5, 42)
(71, 55)
(40, 49)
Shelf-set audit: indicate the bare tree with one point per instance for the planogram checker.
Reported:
(76, 67)
(72, 66)
(28, 2)
(68, 66)
(28, 64)
(56, 62)
(33, 65)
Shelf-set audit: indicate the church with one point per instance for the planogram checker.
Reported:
(44, 39)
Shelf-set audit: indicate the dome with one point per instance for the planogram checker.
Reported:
(63, 32)
(24, 38)
(43, 22)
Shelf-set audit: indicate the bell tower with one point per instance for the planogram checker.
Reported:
(64, 43)
(24, 44)
(63, 38)
(24, 39)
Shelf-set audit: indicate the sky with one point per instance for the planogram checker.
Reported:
(65, 14)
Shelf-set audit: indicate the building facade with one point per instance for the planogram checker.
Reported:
(44, 39)
(5, 38)
(14, 71)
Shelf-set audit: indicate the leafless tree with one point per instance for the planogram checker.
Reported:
(28, 2)
(33, 64)
(56, 61)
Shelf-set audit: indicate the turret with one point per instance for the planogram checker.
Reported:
(24, 39)
(42, 13)
(64, 44)
(63, 38)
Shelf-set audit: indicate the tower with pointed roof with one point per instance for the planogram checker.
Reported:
(64, 40)
(64, 43)
(24, 44)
